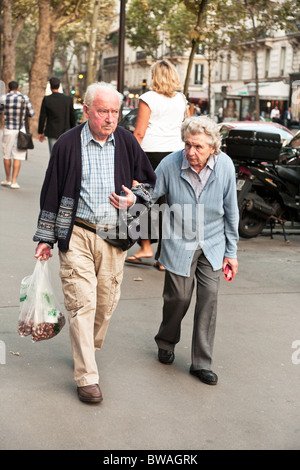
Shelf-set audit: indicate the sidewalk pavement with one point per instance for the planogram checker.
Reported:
(147, 405)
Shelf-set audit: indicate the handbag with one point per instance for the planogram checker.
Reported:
(127, 232)
(24, 141)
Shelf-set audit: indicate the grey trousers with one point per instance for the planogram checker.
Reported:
(177, 295)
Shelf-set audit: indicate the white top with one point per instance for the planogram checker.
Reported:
(163, 133)
(275, 113)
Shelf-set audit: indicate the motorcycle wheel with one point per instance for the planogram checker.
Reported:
(250, 224)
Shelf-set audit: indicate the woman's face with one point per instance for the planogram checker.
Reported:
(198, 150)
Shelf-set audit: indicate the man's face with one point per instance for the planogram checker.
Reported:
(103, 114)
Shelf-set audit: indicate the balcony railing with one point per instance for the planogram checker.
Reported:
(110, 61)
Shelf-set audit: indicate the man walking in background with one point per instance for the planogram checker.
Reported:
(11, 105)
(57, 114)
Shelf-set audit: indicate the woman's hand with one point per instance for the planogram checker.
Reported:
(233, 263)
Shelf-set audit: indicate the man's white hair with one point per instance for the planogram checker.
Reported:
(100, 86)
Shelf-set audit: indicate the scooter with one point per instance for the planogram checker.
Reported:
(267, 192)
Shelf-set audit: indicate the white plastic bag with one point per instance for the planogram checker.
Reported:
(40, 315)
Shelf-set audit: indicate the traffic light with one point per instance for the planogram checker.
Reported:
(144, 85)
(73, 91)
(80, 76)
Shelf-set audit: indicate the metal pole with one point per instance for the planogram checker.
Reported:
(121, 47)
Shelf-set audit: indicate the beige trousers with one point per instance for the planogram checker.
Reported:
(91, 273)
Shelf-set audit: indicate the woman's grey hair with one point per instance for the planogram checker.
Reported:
(99, 86)
(202, 125)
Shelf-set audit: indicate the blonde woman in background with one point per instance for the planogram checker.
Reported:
(158, 130)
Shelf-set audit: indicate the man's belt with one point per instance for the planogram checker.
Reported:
(91, 227)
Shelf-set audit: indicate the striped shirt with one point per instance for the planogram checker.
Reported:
(11, 105)
(97, 181)
(199, 180)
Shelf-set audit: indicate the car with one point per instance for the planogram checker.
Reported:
(78, 109)
(125, 111)
(129, 121)
(262, 126)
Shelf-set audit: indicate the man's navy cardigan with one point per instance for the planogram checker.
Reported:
(61, 188)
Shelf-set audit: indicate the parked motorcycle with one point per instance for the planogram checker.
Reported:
(290, 153)
(267, 192)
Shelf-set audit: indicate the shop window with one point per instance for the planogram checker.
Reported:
(267, 63)
(198, 74)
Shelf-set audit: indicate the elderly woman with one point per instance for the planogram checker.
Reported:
(199, 239)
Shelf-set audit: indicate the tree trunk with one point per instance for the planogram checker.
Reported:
(91, 67)
(252, 17)
(201, 10)
(44, 46)
(189, 67)
(257, 104)
(10, 36)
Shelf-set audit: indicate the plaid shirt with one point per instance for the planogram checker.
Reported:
(11, 105)
(97, 181)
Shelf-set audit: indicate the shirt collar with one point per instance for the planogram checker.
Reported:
(87, 136)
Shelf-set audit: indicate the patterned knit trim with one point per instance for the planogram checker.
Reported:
(51, 226)
(64, 217)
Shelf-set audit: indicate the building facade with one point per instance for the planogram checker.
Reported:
(278, 59)
(232, 77)
(137, 73)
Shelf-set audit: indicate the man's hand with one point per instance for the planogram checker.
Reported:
(122, 202)
(41, 137)
(43, 252)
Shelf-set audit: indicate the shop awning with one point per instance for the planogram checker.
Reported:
(267, 90)
(200, 95)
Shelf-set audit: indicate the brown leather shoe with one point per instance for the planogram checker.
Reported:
(90, 393)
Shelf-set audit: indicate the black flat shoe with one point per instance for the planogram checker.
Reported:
(166, 357)
(206, 376)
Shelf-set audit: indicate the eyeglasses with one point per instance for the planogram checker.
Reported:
(105, 112)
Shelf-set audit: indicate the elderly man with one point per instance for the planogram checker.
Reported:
(199, 185)
(89, 166)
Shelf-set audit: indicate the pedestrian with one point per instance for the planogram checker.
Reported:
(160, 115)
(11, 105)
(275, 114)
(200, 179)
(288, 117)
(88, 168)
(220, 114)
(231, 112)
(57, 114)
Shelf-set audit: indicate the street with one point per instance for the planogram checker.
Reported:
(148, 405)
